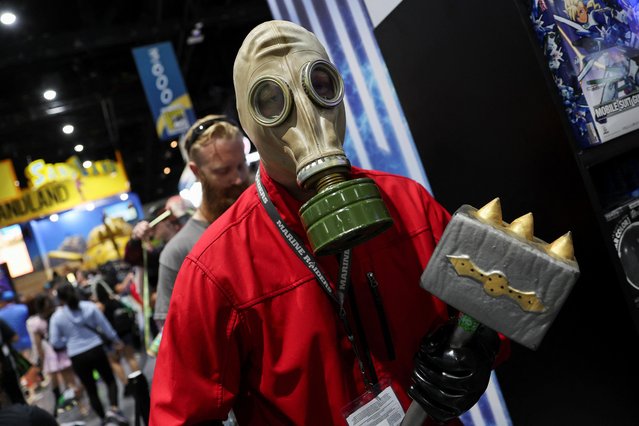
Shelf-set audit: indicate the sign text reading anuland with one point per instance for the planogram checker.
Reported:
(55, 187)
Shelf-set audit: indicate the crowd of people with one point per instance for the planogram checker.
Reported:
(77, 331)
(88, 326)
(62, 353)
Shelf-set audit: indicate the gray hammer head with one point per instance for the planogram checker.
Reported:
(500, 274)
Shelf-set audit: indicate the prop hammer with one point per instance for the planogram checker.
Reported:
(499, 274)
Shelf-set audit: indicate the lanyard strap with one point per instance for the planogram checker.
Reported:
(305, 256)
(313, 265)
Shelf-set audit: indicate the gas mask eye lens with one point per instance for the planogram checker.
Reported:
(322, 83)
(271, 101)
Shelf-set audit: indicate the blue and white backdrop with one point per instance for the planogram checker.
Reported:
(378, 136)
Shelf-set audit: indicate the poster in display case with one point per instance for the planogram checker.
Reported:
(592, 50)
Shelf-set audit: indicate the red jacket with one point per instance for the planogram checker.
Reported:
(250, 328)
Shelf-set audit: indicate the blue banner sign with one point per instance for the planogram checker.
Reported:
(164, 88)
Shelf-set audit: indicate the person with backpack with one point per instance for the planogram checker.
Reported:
(121, 317)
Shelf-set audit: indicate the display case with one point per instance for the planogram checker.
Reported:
(590, 50)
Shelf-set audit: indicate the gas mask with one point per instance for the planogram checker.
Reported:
(290, 103)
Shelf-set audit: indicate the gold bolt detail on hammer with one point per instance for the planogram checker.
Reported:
(562, 247)
(523, 227)
(496, 284)
(491, 212)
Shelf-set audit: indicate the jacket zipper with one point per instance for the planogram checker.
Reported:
(368, 360)
(377, 298)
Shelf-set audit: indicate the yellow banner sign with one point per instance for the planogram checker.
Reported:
(62, 186)
(8, 188)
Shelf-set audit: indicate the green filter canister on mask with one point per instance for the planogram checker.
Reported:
(343, 214)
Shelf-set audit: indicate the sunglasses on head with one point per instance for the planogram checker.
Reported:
(199, 130)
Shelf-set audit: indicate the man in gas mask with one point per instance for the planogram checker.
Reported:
(303, 300)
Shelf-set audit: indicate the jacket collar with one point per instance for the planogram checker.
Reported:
(287, 206)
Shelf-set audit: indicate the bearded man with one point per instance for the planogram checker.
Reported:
(215, 150)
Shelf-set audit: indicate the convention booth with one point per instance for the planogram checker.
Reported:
(71, 214)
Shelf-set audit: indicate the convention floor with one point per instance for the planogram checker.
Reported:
(73, 417)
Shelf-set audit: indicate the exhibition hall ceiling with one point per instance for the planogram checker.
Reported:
(82, 50)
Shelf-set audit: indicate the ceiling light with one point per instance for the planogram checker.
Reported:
(174, 144)
(90, 207)
(196, 34)
(68, 129)
(87, 164)
(124, 196)
(8, 18)
(56, 110)
(167, 170)
(49, 95)
(54, 217)
(78, 148)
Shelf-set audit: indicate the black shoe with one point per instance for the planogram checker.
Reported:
(115, 417)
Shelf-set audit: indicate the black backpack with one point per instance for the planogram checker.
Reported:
(121, 317)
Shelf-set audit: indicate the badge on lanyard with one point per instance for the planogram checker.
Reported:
(376, 407)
